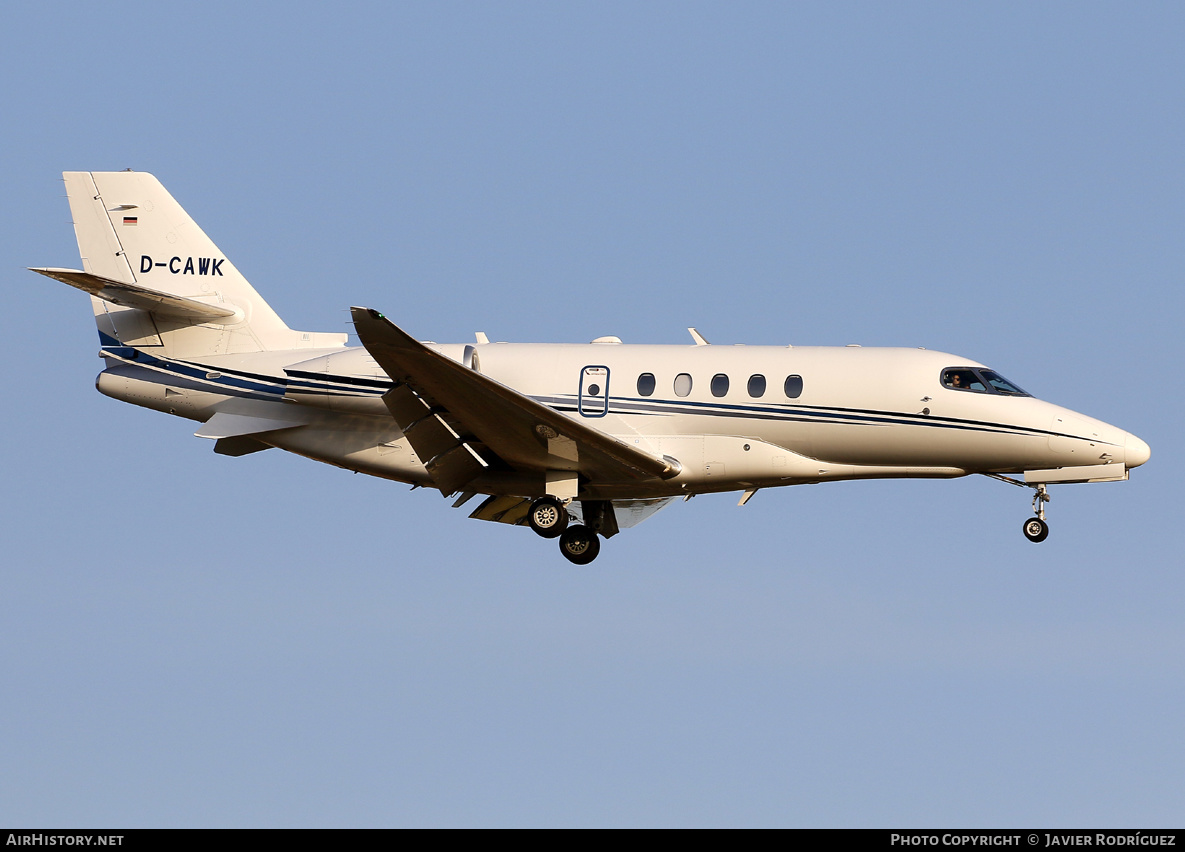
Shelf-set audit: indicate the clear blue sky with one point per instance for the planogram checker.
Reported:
(193, 640)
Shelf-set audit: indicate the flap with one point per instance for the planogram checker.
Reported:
(503, 509)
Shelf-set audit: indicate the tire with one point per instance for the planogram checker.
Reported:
(579, 544)
(1036, 529)
(548, 517)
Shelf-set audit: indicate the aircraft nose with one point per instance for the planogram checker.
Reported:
(1135, 451)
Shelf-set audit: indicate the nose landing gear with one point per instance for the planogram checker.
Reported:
(1035, 528)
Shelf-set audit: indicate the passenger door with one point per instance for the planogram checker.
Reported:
(593, 400)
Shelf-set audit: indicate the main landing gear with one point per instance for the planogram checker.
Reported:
(548, 517)
(579, 544)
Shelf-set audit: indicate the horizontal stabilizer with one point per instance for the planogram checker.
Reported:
(141, 298)
(238, 417)
(232, 425)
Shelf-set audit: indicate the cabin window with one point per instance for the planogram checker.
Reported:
(682, 384)
(793, 387)
(719, 384)
(757, 386)
(646, 384)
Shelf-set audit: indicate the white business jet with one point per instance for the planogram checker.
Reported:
(575, 441)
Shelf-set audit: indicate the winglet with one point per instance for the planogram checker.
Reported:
(699, 339)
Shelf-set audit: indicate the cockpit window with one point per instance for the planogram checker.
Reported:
(1001, 384)
(979, 380)
(963, 378)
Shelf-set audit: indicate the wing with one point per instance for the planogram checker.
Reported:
(456, 418)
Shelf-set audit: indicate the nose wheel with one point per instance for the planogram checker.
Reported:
(1035, 528)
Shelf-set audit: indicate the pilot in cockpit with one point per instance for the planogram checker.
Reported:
(962, 380)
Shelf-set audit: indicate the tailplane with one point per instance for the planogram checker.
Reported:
(157, 280)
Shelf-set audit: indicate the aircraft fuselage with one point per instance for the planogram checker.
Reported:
(857, 413)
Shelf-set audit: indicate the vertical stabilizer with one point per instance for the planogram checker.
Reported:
(131, 230)
(97, 241)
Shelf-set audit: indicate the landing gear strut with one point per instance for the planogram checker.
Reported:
(1035, 528)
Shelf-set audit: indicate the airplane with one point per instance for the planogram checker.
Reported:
(575, 441)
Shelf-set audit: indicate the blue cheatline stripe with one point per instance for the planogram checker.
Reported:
(235, 382)
(351, 381)
(229, 378)
(243, 383)
(799, 414)
(333, 392)
(334, 387)
(230, 381)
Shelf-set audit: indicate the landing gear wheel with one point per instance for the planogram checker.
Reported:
(1036, 529)
(579, 544)
(548, 517)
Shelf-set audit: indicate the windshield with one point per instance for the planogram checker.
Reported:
(979, 380)
(1001, 384)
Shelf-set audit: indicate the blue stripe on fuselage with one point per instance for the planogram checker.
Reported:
(242, 383)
